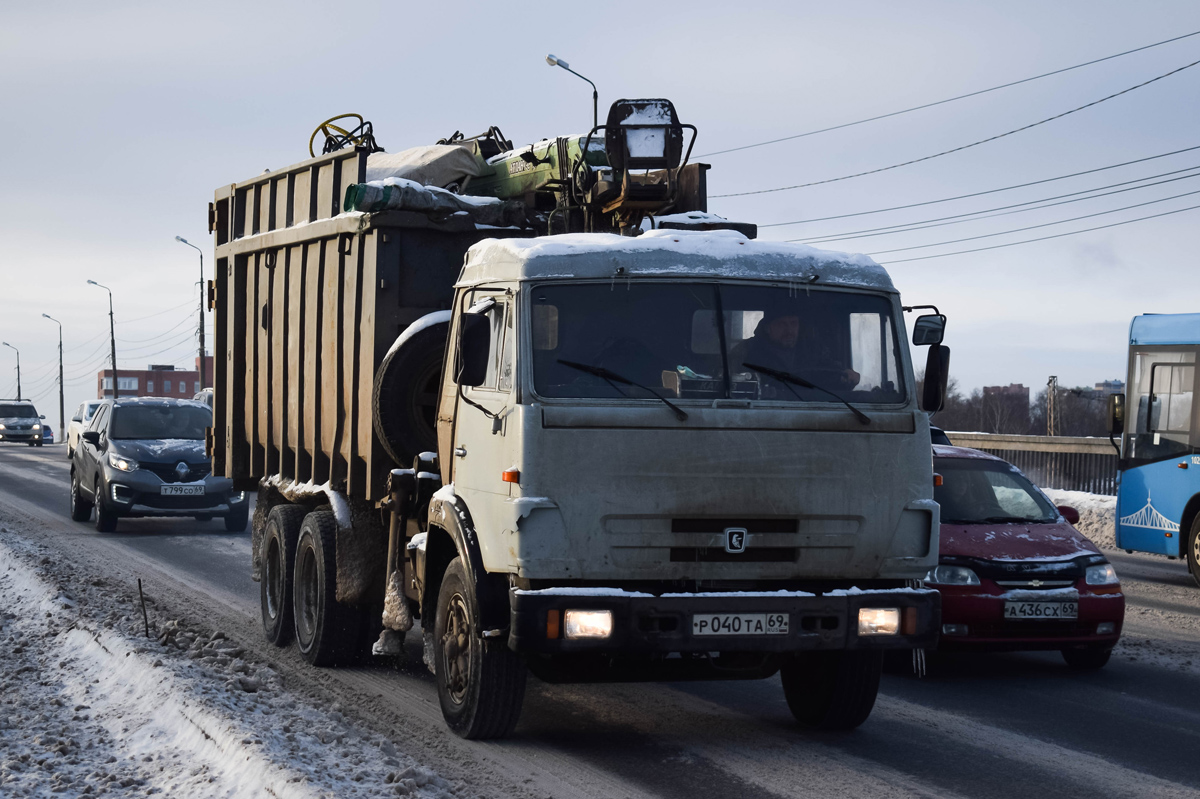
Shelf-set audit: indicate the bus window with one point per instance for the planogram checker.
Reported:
(1160, 389)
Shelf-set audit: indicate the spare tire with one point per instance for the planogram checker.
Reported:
(404, 402)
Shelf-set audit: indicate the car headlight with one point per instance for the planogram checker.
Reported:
(37, 427)
(952, 575)
(124, 464)
(2, 427)
(1101, 574)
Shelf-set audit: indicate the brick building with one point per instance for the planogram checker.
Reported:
(157, 380)
(1012, 390)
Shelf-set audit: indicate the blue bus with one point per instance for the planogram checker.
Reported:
(1158, 493)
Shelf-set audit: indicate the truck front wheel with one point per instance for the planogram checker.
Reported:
(481, 684)
(279, 562)
(832, 690)
(326, 630)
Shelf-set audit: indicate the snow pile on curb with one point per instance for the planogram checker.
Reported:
(1096, 514)
(89, 707)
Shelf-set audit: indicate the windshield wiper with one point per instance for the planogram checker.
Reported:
(788, 378)
(613, 377)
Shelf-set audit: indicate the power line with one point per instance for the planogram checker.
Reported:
(958, 219)
(151, 316)
(1042, 238)
(1035, 227)
(185, 320)
(947, 100)
(964, 146)
(982, 193)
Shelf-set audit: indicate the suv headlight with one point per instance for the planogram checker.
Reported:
(1101, 574)
(952, 575)
(124, 464)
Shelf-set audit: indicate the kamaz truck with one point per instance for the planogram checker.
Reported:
(540, 405)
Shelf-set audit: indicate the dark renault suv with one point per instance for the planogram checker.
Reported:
(145, 457)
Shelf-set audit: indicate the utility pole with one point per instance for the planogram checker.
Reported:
(62, 408)
(18, 352)
(200, 366)
(1052, 406)
(112, 334)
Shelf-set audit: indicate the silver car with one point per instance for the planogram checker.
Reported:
(79, 422)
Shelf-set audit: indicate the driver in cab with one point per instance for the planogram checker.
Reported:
(783, 341)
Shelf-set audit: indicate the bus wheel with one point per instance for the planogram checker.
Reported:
(481, 683)
(832, 690)
(1193, 550)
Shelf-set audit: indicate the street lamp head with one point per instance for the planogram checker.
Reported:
(181, 238)
(93, 283)
(555, 61)
(46, 315)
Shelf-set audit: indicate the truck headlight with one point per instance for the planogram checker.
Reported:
(1101, 574)
(124, 464)
(952, 575)
(878, 621)
(587, 623)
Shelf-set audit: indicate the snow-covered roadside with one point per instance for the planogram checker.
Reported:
(89, 706)
(1096, 514)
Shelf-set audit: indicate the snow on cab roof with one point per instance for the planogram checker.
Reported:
(667, 253)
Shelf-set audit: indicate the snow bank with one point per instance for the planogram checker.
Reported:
(1097, 513)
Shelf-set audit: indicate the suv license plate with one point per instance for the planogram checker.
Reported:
(740, 624)
(1041, 610)
(182, 491)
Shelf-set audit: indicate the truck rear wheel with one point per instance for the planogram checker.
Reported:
(279, 561)
(326, 630)
(832, 690)
(405, 395)
(481, 683)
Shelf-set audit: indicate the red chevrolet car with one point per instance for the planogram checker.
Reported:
(1013, 573)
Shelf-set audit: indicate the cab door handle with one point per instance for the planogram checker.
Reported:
(460, 452)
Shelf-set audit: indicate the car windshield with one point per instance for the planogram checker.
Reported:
(17, 412)
(90, 410)
(975, 491)
(708, 341)
(141, 422)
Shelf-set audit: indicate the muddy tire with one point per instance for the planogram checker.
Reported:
(1086, 659)
(278, 564)
(106, 517)
(832, 690)
(81, 508)
(326, 630)
(1193, 549)
(481, 683)
(404, 398)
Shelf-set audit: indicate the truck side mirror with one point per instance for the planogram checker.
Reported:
(1116, 414)
(937, 371)
(474, 342)
(929, 329)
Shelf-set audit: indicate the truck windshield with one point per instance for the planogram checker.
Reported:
(975, 491)
(144, 422)
(17, 412)
(694, 341)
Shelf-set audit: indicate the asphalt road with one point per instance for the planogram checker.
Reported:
(978, 726)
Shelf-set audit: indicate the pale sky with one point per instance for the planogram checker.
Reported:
(122, 118)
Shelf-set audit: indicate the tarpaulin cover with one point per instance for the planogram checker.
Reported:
(433, 165)
(398, 194)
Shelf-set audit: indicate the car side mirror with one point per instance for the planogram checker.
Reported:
(43, 416)
(937, 372)
(1116, 414)
(929, 329)
(474, 342)
(1069, 513)
(92, 437)
(76, 418)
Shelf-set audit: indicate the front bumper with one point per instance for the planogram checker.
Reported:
(649, 624)
(980, 610)
(22, 436)
(139, 493)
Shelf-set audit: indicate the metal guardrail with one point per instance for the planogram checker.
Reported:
(1066, 462)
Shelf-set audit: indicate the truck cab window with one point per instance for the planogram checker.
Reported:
(498, 376)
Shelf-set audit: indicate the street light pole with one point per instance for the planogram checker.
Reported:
(18, 352)
(62, 408)
(112, 334)
(182, 240)
(555, 61)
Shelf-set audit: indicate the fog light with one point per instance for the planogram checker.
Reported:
(587, 623)
(878, 621)
(954, 629)
(1106, 628)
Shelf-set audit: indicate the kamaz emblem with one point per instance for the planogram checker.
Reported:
(735, 539)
